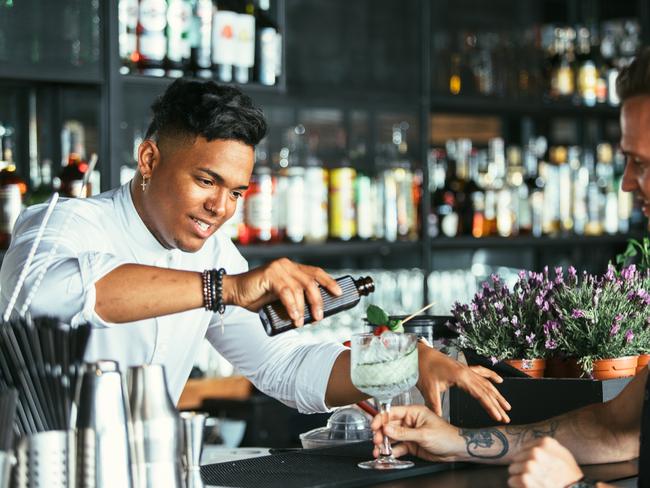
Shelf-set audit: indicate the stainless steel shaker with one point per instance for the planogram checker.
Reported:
(193, 425)
(103, 449)
(156, 427)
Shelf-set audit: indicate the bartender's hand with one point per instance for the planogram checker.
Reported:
(421, 432)
(438, 372)
(283, 279)
(544, 463)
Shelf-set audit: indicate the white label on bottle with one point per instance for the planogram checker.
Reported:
(316, 204)
(223, 37)
(204, 11)
(449, 224)
(153, 45)
(245, 40)
(128, 19)
(278, 55)
(179, 16)
(295, 212)
(268, 53)
(153, 15)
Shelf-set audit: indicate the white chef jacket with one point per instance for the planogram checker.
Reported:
(105, 232)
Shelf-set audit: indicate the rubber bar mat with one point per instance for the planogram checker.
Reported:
(311, 468)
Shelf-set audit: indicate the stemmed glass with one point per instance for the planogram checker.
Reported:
(383, 367)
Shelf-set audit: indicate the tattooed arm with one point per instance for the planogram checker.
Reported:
(598, 433)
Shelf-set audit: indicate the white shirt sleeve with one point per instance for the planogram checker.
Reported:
(68, 286)
(287, 367)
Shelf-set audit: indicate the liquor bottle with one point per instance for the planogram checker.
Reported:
(223, 40)
(595, 203)
(365, 212)
(179, 24)
(275, 318)
(587, 72)
(244, 42)
(316, 199)
(562, 77)
(609, 69)
(342, 217)
(606, 182)
(268, 45)
(258, 206)
(128, 36)
(446, 205)
(625, 199)
(201, 38)
(580, 184)
(152, 45)
(565, 181)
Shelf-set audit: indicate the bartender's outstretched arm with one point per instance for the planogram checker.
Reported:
(134, 292)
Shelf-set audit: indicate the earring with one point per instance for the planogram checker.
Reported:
(144, 183)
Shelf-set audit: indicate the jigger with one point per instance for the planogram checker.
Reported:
(193, 424)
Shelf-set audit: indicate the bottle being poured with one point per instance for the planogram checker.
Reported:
(275, 317)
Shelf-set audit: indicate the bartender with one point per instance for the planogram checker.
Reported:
(546, 454)
(146, 265)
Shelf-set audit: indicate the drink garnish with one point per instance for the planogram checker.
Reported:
(378, 317)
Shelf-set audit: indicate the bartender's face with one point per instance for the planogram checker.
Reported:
(193, 187)
(635, 143)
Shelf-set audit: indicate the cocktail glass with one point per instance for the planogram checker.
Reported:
(383, 367)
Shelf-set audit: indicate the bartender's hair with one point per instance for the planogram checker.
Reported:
(191, 108)
(634, 79)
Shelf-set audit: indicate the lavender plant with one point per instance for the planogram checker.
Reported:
(599, 317)
(507, 324)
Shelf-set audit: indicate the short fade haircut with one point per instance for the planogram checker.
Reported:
(191, 108)
(634, 79)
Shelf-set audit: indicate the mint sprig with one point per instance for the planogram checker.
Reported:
(377, 316)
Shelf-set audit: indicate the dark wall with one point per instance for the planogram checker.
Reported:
(353, 45)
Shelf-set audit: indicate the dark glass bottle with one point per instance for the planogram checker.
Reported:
(276, 319)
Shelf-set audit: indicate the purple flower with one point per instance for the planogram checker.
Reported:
(572, 272)
(616, 326)
(494, 360)
(577, 314)
(498, 306)
(504, 320)
(515, 321)
(628, 273)
(530, 338)
(545, 307)
(611, 273)
(495, 278)
(522, 275)
(629, 335)
(517, 332)
(539, 300)
(550, 344)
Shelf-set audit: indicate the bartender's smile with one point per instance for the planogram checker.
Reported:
(193, 188)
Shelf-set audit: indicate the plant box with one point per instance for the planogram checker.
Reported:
(534, 399)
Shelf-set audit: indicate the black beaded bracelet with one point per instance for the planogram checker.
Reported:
(213, 290)
(219, 305)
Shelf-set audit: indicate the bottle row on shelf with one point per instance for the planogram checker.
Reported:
(229, 40)
(528, 191)
(312, 204)
(559, 62)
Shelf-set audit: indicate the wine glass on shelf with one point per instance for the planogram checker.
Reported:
(383, 367)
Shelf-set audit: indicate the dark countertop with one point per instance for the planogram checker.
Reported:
(619, 474)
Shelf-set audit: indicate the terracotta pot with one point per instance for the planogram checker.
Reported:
(532, 367)
(605, 369)
(562, 368)
(642, 363)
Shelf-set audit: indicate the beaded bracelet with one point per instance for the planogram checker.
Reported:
(213, 290)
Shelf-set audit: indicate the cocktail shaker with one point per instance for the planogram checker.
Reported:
(46, 459)
(156, 428)
(103, 449)
(193, 425)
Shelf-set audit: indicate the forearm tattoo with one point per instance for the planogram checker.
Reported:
(492, 443)
(521, 434)
(485, 443)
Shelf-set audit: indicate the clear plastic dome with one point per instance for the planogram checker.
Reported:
(345, 425)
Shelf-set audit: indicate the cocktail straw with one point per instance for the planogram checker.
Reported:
(37, 283)
(30, 258)
(418, 312)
